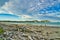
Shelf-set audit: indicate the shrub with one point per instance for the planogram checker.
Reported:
(1, 30)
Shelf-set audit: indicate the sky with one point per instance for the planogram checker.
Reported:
(30, 10)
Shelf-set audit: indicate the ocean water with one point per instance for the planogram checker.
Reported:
(54, 24)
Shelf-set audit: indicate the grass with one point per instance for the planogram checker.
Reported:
(1, 30)
(1, 39)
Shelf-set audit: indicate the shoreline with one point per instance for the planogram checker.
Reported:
(50, 25)
(34, 32)
(32, 25)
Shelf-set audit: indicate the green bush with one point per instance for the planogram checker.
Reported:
(1, 30)
(1, 39)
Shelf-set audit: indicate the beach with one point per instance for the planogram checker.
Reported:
(29, 32)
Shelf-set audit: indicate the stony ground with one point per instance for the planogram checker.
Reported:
(29, 32)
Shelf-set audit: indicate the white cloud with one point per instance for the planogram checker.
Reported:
(5, 12)
(5, 6)
(31, 7)
(58, 16)
(26, 16)
(40, 14)
(2, 11)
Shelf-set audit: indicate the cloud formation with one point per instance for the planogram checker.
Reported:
(2, 2)
(34, 9)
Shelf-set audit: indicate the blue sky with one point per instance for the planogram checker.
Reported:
(9, 17)
(2, 2)
(30, 9)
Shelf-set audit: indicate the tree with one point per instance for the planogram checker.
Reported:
(45, 21)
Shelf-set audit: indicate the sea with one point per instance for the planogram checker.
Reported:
(54, 24)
